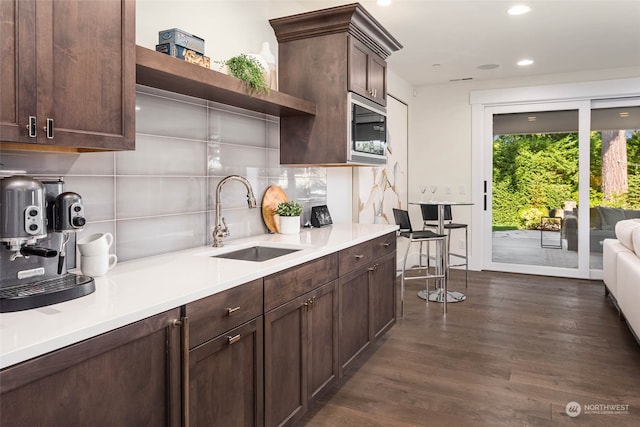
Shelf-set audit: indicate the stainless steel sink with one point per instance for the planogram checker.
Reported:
(256, 253)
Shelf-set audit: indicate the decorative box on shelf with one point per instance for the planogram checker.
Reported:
(185, 54)
(182, 38)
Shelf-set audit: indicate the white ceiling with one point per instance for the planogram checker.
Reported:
(460, 35)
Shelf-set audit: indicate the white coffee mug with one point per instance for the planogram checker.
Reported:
(96, 266)
(95, 244)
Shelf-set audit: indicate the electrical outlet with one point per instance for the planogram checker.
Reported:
(447, 189)
(461, 189)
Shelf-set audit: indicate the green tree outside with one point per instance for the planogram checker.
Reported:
(534, 173)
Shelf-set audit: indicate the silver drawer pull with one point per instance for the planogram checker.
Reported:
(31, 126)
(232, 311)
(234, 339)
(48, 129)
(359, 256)
(386, 244)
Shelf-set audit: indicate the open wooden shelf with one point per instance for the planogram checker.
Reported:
(162, 71)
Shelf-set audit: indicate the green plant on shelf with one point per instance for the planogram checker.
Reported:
(291, 208)
(249, 71)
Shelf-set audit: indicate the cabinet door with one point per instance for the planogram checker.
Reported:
(225, 379)
(322, 314)
(378, 79)
(358, 68)
(86, 72)
(121, 378)
(284, 353)
(17, 69)
(71, 66)
(367, 72)
(383, 295)
(354, 315)
(301, 353)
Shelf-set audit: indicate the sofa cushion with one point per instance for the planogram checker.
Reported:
(624, 230)
(612, 248)
(629, 289)
(609, 217)
(635, 239)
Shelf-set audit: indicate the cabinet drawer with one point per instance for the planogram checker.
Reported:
(384, 245)
(355, 257)
(211, 316)
(282, 287)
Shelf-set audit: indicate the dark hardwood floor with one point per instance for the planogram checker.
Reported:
(515, 353)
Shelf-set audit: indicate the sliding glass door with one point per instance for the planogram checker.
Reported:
(614, 192)
(535, 184)
(562, 174)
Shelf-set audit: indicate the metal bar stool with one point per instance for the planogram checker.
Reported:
(430, 213)
(422, 236)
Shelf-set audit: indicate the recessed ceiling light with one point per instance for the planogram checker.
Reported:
(488, 66)
(525, 62)
(383, 2)
(519, 9)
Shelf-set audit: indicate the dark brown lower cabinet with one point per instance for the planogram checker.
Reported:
(301, 353)
(226, 379)
(127, 377)
(354, 315)
(383, 295)
(367, 295)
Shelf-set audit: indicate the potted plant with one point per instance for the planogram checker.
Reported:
(289, 215)
(250, 71)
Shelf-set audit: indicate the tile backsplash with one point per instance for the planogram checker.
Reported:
(161, 197)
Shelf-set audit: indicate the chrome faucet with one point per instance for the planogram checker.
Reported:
(221, 231)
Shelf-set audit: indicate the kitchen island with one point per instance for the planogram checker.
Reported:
(342, 275)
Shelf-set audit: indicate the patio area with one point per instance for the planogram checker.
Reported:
(524, 247)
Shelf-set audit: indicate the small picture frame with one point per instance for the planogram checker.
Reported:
(320, 216)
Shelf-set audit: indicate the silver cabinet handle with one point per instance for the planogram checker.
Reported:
(234, 339)
(184, 323)
(48, 129)
(31, 127)
(359, 256)
(232, 311)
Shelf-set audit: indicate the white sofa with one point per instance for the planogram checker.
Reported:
(621, 271)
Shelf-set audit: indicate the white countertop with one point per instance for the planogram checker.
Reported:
(138, 289)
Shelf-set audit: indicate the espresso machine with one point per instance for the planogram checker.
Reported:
(38, 220)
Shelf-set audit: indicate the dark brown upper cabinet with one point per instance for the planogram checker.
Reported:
(67, 75)
(322, 56)
(367, 72)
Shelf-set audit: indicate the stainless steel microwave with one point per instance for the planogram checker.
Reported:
(367, 131)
